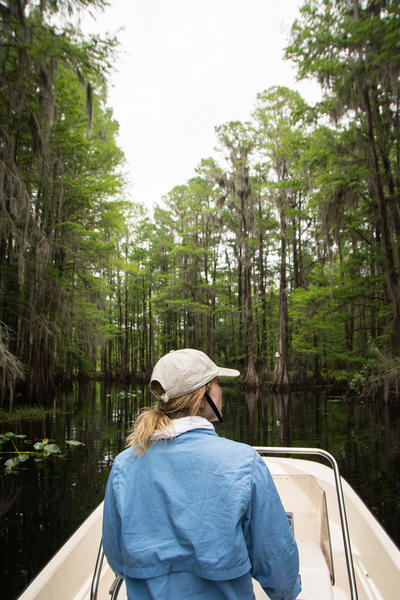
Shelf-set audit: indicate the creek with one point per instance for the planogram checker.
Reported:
(41, 506)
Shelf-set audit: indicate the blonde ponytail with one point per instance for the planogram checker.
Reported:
(159, 418)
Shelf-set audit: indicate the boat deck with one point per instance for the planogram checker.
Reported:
(308, 491)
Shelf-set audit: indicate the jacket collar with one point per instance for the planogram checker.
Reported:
(182, 425)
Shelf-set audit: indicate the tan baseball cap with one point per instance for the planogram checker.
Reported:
(183, 371)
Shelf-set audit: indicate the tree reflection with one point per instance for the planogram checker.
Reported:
(281, 405)
(251, 397)
(259, 429)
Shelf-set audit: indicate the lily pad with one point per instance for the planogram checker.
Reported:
(51, 449)
(12, 462)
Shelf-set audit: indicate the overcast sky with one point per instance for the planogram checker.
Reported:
(186, 66)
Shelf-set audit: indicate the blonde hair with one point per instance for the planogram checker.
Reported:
(159, 417)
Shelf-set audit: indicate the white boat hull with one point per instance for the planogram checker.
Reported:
(301, 484)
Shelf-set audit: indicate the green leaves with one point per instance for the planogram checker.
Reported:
(51, 449)
(92, 283)
(5, 437)
(11, 463)
(46, 448)
(60, 163)
(42, 450)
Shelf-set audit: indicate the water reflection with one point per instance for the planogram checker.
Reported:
(251, 398)
(281, 403)
(40, 508)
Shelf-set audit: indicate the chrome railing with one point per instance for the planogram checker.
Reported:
(116, 584)
(265, 450)
(97, 572)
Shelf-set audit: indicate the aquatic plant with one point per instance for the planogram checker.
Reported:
(42, 450)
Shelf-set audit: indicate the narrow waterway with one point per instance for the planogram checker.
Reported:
(41, 507)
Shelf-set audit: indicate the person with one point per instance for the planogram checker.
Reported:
(189, 514)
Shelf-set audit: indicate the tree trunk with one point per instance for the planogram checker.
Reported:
(263, 318)
(390, 268)
(280, 378)
(251, 378)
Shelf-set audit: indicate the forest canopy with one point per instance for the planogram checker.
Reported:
(279, 256)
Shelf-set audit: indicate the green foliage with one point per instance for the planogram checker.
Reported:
(60, 186)
(41, 450)
(22, 413)
(288, 240)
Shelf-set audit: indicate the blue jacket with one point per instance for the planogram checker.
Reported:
(196, 517)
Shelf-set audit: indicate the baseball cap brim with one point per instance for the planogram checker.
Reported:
(223, 372)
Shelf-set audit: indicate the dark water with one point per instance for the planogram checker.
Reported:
(41, 507)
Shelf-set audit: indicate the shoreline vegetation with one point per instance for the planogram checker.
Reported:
(24, 413)
(279, 257)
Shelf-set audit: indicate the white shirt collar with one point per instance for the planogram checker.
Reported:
(182, 425)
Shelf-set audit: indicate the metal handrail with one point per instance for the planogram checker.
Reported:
(116, 584)
(339, 492)
(97, 572)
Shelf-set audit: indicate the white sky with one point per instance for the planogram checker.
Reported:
(186, 66)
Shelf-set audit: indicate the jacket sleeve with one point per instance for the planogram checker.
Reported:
(112, 525)
(272, 550)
